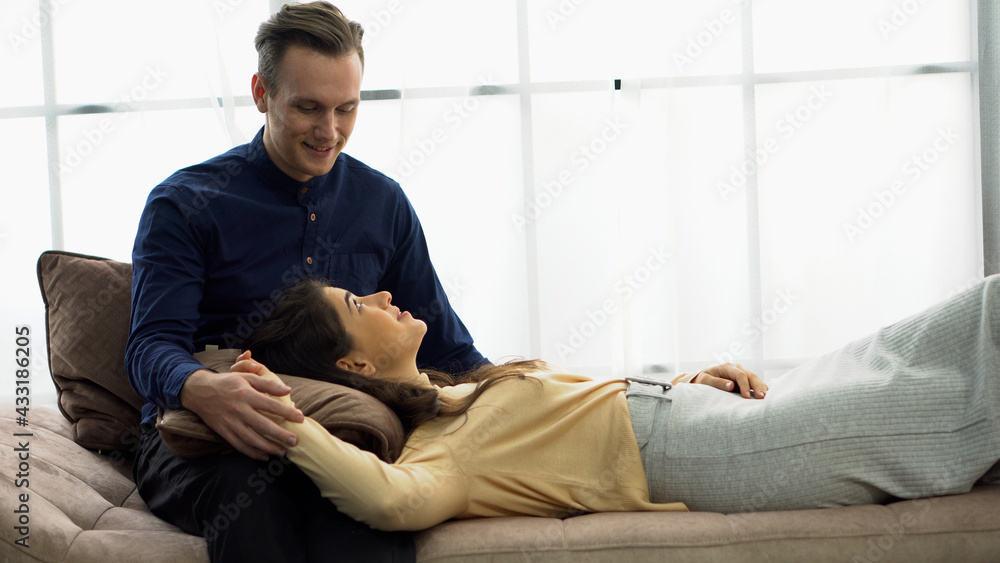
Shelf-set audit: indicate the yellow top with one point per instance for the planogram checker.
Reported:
(546, 445)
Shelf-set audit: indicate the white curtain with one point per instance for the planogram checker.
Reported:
(614, 186)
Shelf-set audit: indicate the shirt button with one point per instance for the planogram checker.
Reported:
(312, 217)
(309, 260)
(304, 190)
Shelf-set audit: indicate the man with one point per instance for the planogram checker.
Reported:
(216, 243)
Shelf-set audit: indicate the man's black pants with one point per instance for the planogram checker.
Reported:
(250, 510)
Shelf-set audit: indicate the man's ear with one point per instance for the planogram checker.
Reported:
(356, 362)
(259, 92)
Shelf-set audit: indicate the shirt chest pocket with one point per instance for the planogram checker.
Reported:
(357, 272)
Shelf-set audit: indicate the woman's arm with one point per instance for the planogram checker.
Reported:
(411, 496)
(384, 496)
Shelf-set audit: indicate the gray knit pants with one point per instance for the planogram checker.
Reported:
(911, 411)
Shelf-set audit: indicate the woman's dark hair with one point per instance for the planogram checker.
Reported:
(304, 336)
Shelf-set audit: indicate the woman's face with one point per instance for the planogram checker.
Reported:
(385, 338)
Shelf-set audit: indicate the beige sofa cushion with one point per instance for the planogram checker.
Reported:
(956, 528)
(82, 506)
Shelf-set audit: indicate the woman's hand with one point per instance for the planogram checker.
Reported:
(241, 407)
(733, 377)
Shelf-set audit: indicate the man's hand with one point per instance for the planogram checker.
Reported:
(726, 376)
(233, 404)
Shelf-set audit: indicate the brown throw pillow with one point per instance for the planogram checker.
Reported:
(349, 414)
(87, 304)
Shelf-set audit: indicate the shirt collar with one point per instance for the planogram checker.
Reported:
(259, 159)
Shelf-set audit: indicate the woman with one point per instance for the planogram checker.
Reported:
(912, 411)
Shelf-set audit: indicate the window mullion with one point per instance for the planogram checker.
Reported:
(987, 33)
(51, 124)
(528, 175)
(754, 291)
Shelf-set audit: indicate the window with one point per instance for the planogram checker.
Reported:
(615, 186)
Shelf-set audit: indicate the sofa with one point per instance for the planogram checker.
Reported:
(69, 495)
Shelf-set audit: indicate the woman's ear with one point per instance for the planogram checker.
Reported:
(356, 362)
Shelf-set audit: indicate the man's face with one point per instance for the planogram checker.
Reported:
(310, 114)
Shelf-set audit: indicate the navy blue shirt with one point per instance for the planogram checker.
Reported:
(218, 241)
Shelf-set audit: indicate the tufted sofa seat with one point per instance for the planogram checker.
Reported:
(83, 507)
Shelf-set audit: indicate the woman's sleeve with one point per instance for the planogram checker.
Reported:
(685, 378)
(410, 496)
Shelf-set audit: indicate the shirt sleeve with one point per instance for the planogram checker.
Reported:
(684, 378)
(410, 277)
(167, 286)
